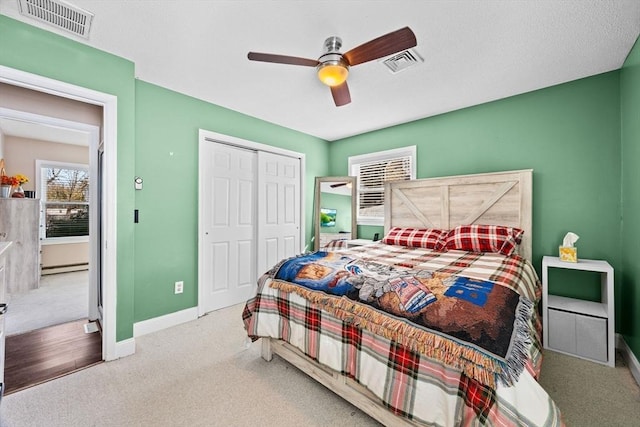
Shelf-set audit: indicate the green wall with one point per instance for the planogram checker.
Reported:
(568, 134)
(166, 238)
(29, 49)
(342, 204)
(630, 236)
(152, 122)
(584, 164)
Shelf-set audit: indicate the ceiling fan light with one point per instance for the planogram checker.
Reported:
(333, 74)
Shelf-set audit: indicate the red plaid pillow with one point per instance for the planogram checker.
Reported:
(484, 238)
(428, 238)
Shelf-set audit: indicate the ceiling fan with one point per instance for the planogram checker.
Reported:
(333, 66)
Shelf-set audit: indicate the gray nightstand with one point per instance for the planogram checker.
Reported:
(585, 329)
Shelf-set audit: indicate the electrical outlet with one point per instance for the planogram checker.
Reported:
(179, 287)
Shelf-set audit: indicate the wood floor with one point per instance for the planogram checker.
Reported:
(44, 354)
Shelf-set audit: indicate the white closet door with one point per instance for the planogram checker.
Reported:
(278, 209)
(229, 221)
(250, 208)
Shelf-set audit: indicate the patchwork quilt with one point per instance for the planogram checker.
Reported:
(441, 338)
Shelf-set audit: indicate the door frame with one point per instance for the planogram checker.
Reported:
(209, 137)
(109, 104)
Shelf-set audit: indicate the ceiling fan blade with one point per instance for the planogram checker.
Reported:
(341, 95)
(386, 45)
(281, 59)
(339, 184)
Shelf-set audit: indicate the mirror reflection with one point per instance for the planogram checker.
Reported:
(335, 212)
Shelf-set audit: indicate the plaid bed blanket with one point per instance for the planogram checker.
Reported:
(336, 244)
(425, 389)
(514, 271)
(475, 325)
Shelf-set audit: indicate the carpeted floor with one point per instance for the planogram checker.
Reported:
(590, 394)
(60, 298)
(203, 373)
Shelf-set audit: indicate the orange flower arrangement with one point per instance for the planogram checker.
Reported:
(21, 179)
(9, 180)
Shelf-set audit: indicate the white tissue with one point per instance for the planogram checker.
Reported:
(570, 239)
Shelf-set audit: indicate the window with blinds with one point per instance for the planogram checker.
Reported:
(372, 171)
(65, 201)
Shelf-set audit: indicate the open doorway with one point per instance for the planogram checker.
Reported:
(55, 157)
(60, 154)
(107, 254)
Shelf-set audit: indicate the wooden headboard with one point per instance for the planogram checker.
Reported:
(498, 198)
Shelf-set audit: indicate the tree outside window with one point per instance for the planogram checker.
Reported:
(65, 201)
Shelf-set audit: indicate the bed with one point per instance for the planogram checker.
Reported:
(333, 241)
(424, 331)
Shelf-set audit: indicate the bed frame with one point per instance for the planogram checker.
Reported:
(499, 198)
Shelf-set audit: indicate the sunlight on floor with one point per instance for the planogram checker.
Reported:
(60, 298)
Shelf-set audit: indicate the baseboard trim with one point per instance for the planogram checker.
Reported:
(125, 348)
(45, 271)
(163, 322)
(629, 357)
(128, 347)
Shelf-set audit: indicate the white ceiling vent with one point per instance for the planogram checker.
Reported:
(403, 60)
(60, 14)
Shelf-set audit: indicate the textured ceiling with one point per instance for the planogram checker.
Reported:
(474, 52)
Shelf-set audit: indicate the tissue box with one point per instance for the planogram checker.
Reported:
(568, 253)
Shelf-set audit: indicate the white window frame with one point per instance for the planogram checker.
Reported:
(41, 185)
(354, 170)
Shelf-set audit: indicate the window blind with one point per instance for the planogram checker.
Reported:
(373, 174)
(65, 201)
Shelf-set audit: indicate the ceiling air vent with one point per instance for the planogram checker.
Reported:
(403, 60)
(60, 14)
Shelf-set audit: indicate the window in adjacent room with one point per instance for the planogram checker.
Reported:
(64, 196)
(373, 170)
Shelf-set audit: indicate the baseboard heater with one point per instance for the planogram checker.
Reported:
(66, 268)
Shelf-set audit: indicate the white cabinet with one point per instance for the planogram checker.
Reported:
(3, 306)
(19, 223)
(580, 328)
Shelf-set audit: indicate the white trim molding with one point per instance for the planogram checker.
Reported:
(629, 357)
(163, 322)
(109, 104)
(124, 348)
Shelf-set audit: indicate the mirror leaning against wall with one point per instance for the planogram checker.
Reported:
(334, 214)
